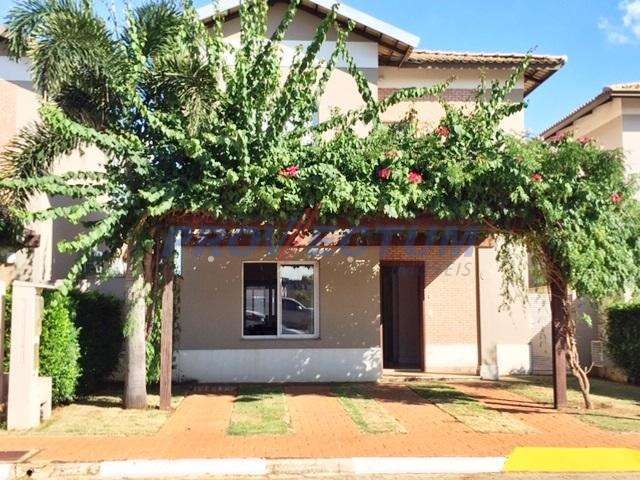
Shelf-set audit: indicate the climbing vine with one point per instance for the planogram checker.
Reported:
(189, 124)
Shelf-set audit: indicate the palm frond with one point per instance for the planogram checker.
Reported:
(30, 155)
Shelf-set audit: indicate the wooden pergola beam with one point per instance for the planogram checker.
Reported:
(166, 325)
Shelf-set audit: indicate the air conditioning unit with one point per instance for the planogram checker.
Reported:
(597, 353)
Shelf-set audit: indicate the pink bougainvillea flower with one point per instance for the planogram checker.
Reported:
(558, 137)
(616, 198)
(443, 131)
(291, 171)
(536, 177)
(585, 140)
(414, 177)
(384, 173)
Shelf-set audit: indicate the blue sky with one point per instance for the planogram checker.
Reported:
(600, 37)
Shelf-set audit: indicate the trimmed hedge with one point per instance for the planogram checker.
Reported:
(59, 347)
(623, 338)
(81, 341)
(99, 319)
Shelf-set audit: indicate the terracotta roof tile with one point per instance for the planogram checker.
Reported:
(541, 67)
(494, 59)
(623, 87)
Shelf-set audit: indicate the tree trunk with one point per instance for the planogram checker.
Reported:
(559, 319)
(581, 373)
(565, 346)
(135, 378)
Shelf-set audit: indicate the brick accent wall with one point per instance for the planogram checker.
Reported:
(450, 95)
(450, 315)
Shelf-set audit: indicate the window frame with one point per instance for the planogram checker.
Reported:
(279, 335)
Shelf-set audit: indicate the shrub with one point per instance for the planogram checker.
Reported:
(623, 338)
(99, 319)
(59, 347)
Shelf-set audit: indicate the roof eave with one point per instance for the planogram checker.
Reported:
(606, 95)
(223, 7)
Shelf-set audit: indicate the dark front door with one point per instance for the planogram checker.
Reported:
(401, 305)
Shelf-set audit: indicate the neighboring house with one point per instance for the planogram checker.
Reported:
(338, 312)
(612, 119)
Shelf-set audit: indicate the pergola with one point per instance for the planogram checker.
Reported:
(423, 231)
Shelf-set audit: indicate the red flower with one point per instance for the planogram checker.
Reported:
(616, 198)
(443, 131)
(558, 137)
(585, 140)
(414, 177)
(536, 177)
(384, 173)
(291, 171)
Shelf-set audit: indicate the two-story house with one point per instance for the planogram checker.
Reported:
(339, 312)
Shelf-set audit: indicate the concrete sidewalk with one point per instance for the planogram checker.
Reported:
(539, 461)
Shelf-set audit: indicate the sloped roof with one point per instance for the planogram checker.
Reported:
(624, 87)
(395, 44)
(616, 90)
(540, 68)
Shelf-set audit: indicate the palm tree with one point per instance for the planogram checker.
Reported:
(86, 68)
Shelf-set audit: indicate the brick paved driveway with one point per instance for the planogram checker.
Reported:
(322, 428)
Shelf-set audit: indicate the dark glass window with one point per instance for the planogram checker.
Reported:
(260, 299)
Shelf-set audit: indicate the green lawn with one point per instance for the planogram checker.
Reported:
(103, 415)
(468, 410)
(366, 412)
(259, 410)
(617, 405)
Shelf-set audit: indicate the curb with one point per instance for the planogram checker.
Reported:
(257, 467)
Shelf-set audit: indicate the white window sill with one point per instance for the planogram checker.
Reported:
(282, 337)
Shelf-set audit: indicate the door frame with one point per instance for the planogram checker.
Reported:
(421, 303)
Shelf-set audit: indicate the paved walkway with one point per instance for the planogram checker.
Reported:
(322, 428)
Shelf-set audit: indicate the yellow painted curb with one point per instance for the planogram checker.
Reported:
(526, 459)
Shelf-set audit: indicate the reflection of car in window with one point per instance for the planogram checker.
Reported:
(293, 305)
(296, 317)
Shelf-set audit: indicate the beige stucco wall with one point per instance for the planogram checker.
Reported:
(303, 27)
(211, 303)
(631, 133)
(604, 124)
(341, 90)
(506, 334)
(19, 106)
(211, 299)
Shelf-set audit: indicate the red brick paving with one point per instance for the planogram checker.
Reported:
(321, 428)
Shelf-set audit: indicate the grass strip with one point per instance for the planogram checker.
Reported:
(365, 411)
(259, 410)
(468, 410)
(616, 405)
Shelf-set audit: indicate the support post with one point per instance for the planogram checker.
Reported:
(559, 328)
(166, 336)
